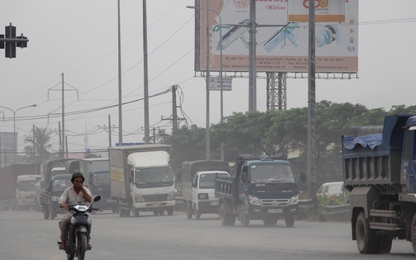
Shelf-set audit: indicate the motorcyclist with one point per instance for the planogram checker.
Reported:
(76, 193)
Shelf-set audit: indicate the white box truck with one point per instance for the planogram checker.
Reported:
(141, 179)
(198, 186)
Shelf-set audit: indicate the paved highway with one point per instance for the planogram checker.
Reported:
(26, 235)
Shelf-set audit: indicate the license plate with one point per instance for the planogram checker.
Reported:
(214, 203)
(275, 210)
(111, 201)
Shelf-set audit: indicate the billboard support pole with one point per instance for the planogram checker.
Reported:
(252, 88)
(311, 109)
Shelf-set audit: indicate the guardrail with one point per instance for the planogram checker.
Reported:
(330, 212)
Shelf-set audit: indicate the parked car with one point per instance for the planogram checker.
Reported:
(329, 189)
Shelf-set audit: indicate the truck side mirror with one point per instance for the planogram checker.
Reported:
(302, 176)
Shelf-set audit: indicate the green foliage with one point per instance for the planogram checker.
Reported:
(273, 132)
(38, 151)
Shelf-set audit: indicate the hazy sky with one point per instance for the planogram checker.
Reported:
(79, 39)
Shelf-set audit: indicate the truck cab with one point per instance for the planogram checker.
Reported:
(26, 191)
(54, 190)
(203, 193)
(99, 184)
(261, 189)
(151, 183)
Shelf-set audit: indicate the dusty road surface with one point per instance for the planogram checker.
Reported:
(26, 235)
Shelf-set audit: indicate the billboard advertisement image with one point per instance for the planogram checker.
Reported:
(281, 36)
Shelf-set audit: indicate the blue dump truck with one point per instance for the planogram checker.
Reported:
(261, 189)
(379, 171)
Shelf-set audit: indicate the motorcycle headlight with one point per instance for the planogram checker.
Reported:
(294, 200)
(138, 198)
(254, 200)
(171, 195)
(203, 196)
(55, 198)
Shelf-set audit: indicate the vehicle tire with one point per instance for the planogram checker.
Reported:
(170, 211)
(70, 256)
(366, 237)
(289, 219)
(120, 210)
(51, 213)
(155, 213)
(223, 218)
(114, 210)
(45, 212)
(230, 219)
(413, 233)
(161, 212)
(82, 245)
(136, 212)
(197, 214)
(384, 244)
(244, 218)
(188, 210)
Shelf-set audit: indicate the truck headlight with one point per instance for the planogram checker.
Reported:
(138, 198)
(254, 200)
(294, 200)
(203, 196)
(55, 198)
(171, 195)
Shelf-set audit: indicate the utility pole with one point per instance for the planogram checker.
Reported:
(145, 76)
(63, 115)
(120, 110)
(174, 112)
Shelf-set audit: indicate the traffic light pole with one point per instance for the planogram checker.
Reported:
(9, 41)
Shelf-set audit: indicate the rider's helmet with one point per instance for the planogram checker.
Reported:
(77, 174)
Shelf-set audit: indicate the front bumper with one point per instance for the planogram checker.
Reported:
(208, 206)
(152, 205)
(258, 212)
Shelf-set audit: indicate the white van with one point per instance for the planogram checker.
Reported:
(329, 189)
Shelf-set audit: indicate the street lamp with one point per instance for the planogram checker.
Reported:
(14, 127)
(221, 87)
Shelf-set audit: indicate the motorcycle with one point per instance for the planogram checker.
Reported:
(79, 228)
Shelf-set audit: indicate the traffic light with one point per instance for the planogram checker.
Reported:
(10, 45)
(9, 41)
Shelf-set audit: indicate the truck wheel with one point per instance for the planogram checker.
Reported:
(45, 212)
(197, 214)
(244, 218)
(170, 211)
(384, 244)
(51, 213)
(413, 233)
(136, 212)
(366, 237)
(221, 212)
(289, 219)
(188, 210)
(230, 219)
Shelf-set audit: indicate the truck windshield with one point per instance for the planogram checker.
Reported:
(153, 176)
(279, 173)
(207, 180)
(61, 185)
(27, 186)
(101, 179)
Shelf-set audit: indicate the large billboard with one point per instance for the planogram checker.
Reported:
(282, 35)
